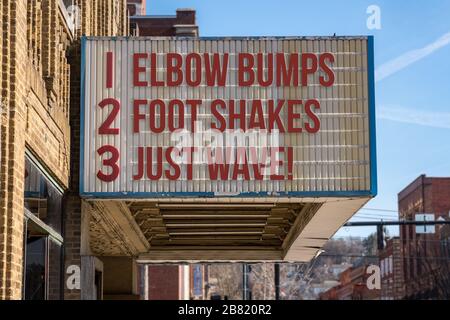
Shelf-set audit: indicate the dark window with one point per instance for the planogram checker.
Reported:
(36, 264)
(98, 285)
(42, 198)
(43, 254)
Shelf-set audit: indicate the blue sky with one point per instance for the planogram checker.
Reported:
(413, 103)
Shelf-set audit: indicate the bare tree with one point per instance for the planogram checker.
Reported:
(226, 280)
(263, 281)
(436, 265)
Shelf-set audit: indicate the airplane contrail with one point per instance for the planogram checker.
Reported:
(413, 116)
(410, 57)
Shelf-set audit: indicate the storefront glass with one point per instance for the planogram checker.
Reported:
(43, 230)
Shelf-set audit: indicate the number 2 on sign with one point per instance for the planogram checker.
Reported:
(105, 128)
(111, 162)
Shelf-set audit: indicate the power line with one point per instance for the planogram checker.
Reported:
(378, 214)
(374, 216)
(356, 219)
(396, 223)
(377, 257)
(410, 242)
(362, 218)
(380, 210)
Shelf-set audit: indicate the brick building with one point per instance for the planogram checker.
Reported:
(391, 266)
(56, 245)
(136, 7)
(39, 204)
(173, 282)
(353, 285)
(167, 283)
(425, 267)
(181, 24)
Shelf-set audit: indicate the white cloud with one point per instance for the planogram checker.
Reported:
(414, 116)
(397, 64)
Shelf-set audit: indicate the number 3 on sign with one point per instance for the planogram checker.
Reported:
(111, 162)
(105, 129)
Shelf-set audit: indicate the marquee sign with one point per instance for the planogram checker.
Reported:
(227, 117)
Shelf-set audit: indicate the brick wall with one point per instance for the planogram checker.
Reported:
(72, 228)
(98, 18)
(163, 282)
(399, 281)
(35, 88)
(424, 195)
(392, 283)
(47, 118)
(38, 85)
(183, 24)
(13, 90)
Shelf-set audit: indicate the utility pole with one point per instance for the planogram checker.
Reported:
(246, 294)
(380, 237)
(277, 281)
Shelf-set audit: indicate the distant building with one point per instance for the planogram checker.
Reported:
(329, 278)
(173, 282)
(391, 266)
(425, 268)
(337, 269)
(326, 285)
(353, 285)
(136, 7)
(181, 24)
